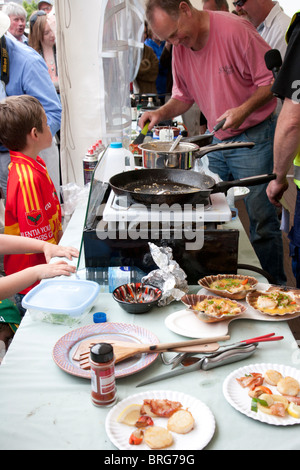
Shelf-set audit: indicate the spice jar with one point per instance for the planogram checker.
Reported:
(103, 380)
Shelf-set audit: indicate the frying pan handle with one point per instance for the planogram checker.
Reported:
(222, 146)
(223, 186)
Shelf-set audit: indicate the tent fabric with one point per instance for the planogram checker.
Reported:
(100, 47)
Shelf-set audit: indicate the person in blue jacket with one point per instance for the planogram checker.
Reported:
(24, 72)
(158, 47)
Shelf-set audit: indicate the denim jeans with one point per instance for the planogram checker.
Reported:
(294, 237)
(265, 234)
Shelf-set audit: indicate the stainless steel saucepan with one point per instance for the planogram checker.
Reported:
(157, 154)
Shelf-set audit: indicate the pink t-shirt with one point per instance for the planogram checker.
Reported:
(225, 73)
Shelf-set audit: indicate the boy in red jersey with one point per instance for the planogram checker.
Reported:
(32, 207)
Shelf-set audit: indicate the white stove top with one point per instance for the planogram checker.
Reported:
(116, 209)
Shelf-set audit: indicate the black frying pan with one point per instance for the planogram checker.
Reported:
(170, 186)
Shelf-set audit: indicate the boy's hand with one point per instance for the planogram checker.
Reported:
(60, 268)
(52, 251)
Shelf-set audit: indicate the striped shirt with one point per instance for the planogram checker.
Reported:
(32, 209)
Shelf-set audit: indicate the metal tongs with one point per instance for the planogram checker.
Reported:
(226, 355)
(180, 357)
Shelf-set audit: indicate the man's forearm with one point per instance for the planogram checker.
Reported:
(173, 108)
(287, 138)
(259, 98)
(236, 116)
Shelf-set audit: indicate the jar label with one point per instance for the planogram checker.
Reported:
(102, 385)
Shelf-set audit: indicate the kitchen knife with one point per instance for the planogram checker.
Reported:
(207, 363)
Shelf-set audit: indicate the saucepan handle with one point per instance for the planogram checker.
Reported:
(223, 186)
(222, 146)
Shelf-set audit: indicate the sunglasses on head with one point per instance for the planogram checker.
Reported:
(35, 17)
(239, 3)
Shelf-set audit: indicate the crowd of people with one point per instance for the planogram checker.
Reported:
(30, 118)
(210, 59)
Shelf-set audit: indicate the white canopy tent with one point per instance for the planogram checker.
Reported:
(99, 49)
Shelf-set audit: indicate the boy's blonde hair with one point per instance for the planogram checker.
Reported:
(18, 116)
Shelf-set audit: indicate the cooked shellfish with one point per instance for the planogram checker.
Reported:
(232, 286)
(212, 309)
(274, 301)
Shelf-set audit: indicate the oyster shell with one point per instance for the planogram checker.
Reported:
(193, 302)
(275, 301)
(235, 293)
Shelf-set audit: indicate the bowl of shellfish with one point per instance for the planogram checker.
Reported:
(275, 301)
(211, 309)
(231, 286)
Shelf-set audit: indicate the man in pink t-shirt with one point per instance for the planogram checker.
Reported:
(218, 62)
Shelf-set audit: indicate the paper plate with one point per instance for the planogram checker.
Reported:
(238, 396)
(196, 439)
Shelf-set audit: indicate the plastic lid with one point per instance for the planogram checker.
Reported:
(116, 145)
(102, 352)
(99, 317)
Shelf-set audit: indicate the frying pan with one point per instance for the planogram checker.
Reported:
(170, 186)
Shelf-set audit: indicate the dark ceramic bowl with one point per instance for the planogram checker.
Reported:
(137, 297)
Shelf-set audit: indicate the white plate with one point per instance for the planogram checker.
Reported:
(185, 322)
(238, 396)
(240, 193)
(196, 439)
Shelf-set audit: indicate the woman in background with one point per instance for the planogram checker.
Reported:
(42, 39)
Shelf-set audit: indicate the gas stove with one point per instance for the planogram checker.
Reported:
(201, 244)
(119, 208)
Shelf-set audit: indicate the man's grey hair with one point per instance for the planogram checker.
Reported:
(14, 9)
(169, 6)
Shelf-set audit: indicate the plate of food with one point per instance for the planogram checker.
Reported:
(160, 419)
(184, 322)
(69, 349)
(269, 393)
(231, 286)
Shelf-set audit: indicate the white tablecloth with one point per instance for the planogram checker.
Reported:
(43, 407)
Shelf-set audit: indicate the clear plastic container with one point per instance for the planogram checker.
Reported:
(62, 301)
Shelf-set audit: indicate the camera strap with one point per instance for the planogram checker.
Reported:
(4, 61)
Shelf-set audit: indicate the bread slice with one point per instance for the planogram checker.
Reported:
(157, 437)
(181, 422)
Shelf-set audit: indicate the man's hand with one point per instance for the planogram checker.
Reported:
(275, 191)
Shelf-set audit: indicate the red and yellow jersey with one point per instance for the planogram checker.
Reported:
(32, 209)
